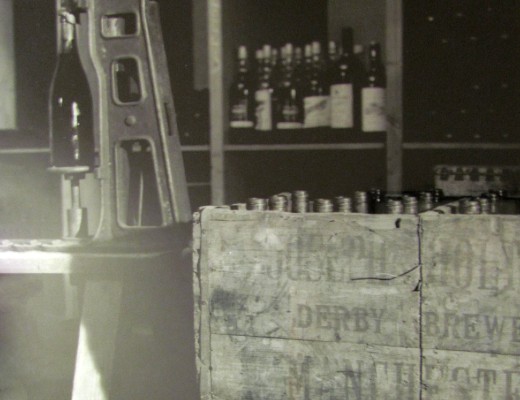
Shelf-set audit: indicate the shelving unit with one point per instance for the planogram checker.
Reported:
(225, 156)
(404, 156)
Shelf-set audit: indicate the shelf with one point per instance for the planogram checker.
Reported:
(198, 184)
(312, 136)
(460, 146)
(195, 148)
(25, 150)
(304, 146)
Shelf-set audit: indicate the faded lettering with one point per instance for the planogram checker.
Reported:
(451, 325)
(339, 318)
(478, 263)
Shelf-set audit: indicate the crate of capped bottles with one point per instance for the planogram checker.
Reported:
(373, 297)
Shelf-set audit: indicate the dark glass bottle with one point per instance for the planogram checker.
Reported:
(342, 86)
(315, 93)
(264, 93)
(289, 105)
(240, 94)
(373, 94)
(71, 119)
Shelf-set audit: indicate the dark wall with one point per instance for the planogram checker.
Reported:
(35, 60)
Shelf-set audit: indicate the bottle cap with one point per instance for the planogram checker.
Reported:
(308, 50)
(242, 52)
(316, 48)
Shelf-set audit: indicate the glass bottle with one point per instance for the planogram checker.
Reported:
(373, 93)
(240, 94)
(71, 109)
(316, 93)
(264, 93)
(289, 105)
(342, 86)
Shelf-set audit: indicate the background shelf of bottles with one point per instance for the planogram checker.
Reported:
(461, 71)
(308, 94)
(286, 72)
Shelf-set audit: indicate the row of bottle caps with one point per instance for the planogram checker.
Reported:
(299, 53)
(377, 202)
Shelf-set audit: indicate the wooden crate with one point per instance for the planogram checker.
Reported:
(331, 306)
(306, 306)
(471, 307)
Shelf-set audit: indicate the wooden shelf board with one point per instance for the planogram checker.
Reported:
(24, 150)
(459, 146)
(195, 147)
(304, 146)
(198, 184)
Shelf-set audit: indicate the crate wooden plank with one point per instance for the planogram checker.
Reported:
(270, 283)
(315, 277)
(471, 271)
(264, 368)
(467, 375)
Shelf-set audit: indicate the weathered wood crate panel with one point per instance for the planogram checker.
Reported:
(275, 369)
(346, 306)
(466, 375)
(333, 278)
(471, 277)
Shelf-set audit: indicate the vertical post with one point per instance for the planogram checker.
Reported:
(394, 68)
(216, 100)
(7, 66)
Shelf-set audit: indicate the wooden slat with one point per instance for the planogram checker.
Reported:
(319, 277)
(304, 146)
(475, 376)
(216, 100)
(471, 276)
(263, 368)
(394, 70)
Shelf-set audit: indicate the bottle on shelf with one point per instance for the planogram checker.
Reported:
(373, 93)
(332, 52)
(241, 94)
(298, 65)
(315, 92)
(289, 105)
(276, 66)
(71, 119)
(342, 86)
(305, 69)
(264, 93)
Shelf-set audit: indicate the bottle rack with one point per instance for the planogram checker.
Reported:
(268, 161)
(409, 157)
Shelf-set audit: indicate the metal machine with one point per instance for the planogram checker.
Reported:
(136, 181)
(120, 211)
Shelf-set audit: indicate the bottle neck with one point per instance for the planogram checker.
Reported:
(374, 56)
(347, 43)
(68, 39)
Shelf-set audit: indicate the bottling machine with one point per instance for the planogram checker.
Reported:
(115, 145)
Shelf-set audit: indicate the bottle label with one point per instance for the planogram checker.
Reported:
(317, 111)
(239, 115)
(289, 125)
(342, 106)
(264, 121)
(289, 117)
(373, 106)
